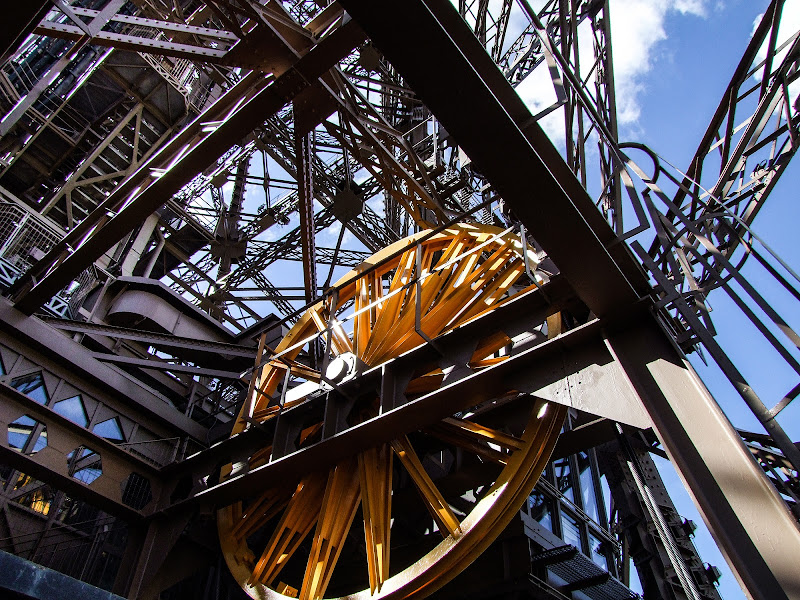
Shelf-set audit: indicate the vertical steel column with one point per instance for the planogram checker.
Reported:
(749, 521)
(667, 561)
(607, 102)
(147, 549)
(305, 189)
(229, 234)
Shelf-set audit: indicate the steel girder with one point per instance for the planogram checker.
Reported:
(240, 114)
(754, 131)
(69, 355)
(163, 341)
(59, 462)
(603, 272)
(659, 541)
(143, 43)
(700, 440)
(771, 102)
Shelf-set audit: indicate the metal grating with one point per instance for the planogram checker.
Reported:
(581, 573)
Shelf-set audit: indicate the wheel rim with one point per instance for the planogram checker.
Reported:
(466, 271)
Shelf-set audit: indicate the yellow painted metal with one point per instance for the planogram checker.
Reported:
(434, 501)
(375, 469)
(464, 272)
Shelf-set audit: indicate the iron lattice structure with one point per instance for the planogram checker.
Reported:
(183, 183)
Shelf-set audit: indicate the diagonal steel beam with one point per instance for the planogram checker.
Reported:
(736, 499)
(548, 199)
(755, 123)
(748, 519)
(158, 365)
(31, 294)
(159, 340)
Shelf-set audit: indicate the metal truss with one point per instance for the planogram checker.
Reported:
(703, 233)
(210, 146)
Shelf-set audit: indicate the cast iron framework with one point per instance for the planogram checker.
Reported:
(184, 154)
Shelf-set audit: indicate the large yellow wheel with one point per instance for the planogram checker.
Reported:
(454, 486)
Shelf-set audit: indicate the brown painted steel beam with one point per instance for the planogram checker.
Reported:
(748, 519)
(63, 264)
(169, 27)
(305, 189)
(67, 354)
(451, 72)
(51, 463)
(134, 43)
(160, 365)
(159, 340)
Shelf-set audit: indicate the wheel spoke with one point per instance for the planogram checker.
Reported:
(466, 271)
(387, 318)
(339, 340)
(295, 524)
(402, 331)
(484, 441)
(490, 345)
(459, 301)
(375, 469)
(463, 296)
(425, 383)
(432, 286)
(555, 325)
(504, 278)
(339, 505)
(362, 326)
(266, 378)
(264, 508)
(298, 369)
(439, 508)
(260, 457)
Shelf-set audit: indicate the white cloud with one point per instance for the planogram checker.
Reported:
(637, 27)
(790, 24)
(694, 7)
(330, 236)
(537, 92)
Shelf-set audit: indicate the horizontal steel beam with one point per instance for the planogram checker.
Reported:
(566, 370)
(51, 463)
(69, 355)
(344, 257)
(146, 363)
(158, 340)
(221, 34)
(133, 42)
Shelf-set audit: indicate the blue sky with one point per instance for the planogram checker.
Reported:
(673, 61)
